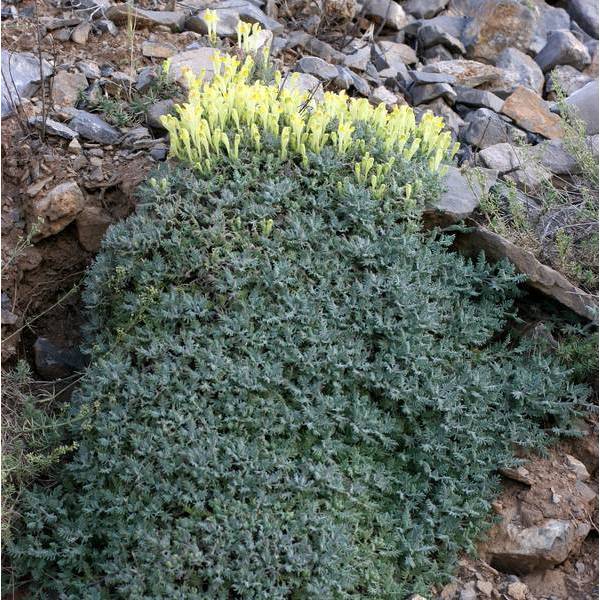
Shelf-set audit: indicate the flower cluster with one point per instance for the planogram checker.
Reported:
(228, 110)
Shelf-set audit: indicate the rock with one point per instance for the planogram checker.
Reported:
(565, 79)
(477, 98)
(317, 67)
(549, 18)
(360, 85)
(158, 49)
(93, 128)
(344, 10)
(553, 284)
(577, 467)
(517, 590)
(157, 110)
(67, 88)
(518, 69)
(93, 8)
(90, 69)
(541, 582)
(225, 27)
(432, 35)
(146, 19)
(53, 127)
(91, 224)
(437, 53)
(304, 82)
(520, 474)
(59, 207)
(197, 62)
(426, 77)
(468, 592)
(484, 128)
(554, 157)
(397, 55)
(465, 72)
(585, 106)
(316, 47)
(485, 587)
(360, 56)
(20, 78)
(74, 146)
(386, 10)
(430, 91)
(495, 25)
(563, 48)
(585, 14)
(80, 34)
(530, 112)
(460, 198)
(382, 94)
(424, 9)
(106, 26)
(502, 157)
(54, 362)
(159, 152)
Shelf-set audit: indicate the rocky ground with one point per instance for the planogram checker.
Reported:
(84, 85)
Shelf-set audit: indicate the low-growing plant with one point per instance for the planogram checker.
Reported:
(294, 393)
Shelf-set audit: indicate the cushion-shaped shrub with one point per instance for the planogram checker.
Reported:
(294, 393)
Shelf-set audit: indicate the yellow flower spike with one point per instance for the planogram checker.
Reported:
(410, 152)
(454, 150)
(408, 188)
(285, 140)
(236, 146)
(211, 19)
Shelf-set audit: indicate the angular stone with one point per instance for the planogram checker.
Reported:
(304, 82)
(430, 91)
(432, 35)
(451, 120)
(158, 49)
(459, 200)
(397, 55)
(315, 47)
(585, 105)
(59, 207)
(585, 13)
(518, 69)
(466, 72)
(577, 467)
(382, 94)
(93, 128)
(549, 18)
(67, 88)
(555, 285)
(554, 157)
(158, 110)
(437, 53)
(195, 62)
(530, 112)
(485, 128)
(477, 98)
(426, 77)
(81, 33)
(92, 224)
(54, 362)
(360, 85)
(53, 127)
(20, 77)
(424, 9)
(502, 157)
(495, 25)
(317, 67)
(567, 78)
(563, 48)
(121, 13)
(226, 25)
(90, 69)
(386, 10)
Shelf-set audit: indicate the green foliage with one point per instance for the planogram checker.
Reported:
(293, 394)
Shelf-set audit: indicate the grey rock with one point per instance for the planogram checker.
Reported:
(360, 85)
(567, 78)
(562, 48)
(466, 72)
(313, 46)
(93, 8)
(159, 152)
(304, 82)
(81, 33)
(430, 91)
(121, 13)
(225, 27)
(397, 55)
(554, 156)
(550, 18)
(106, 26)
(382, 95)
(90, 69)
(424, 9)
(317, 67)
(145, 78)
(459, 200)
(477, 98)
(386, 10)
(158, 110)
(432, 35)
(20, 78)
(198, 62)
(436, 54)
(53, 127)
(155, 49)
(484, 128)
(518, 69)
(585, 105)
(502, 157)
(343, 81)
(92, 223)
(67, 88)
(93, 128)
(55, 362)
(426, 77)
(585, 13)
(358, 55)
(451, 24)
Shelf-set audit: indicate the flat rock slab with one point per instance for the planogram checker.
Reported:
(197, 62)
(539, 276)
(121, 13)
(91, 127)
(530, 112)
(469, 73)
